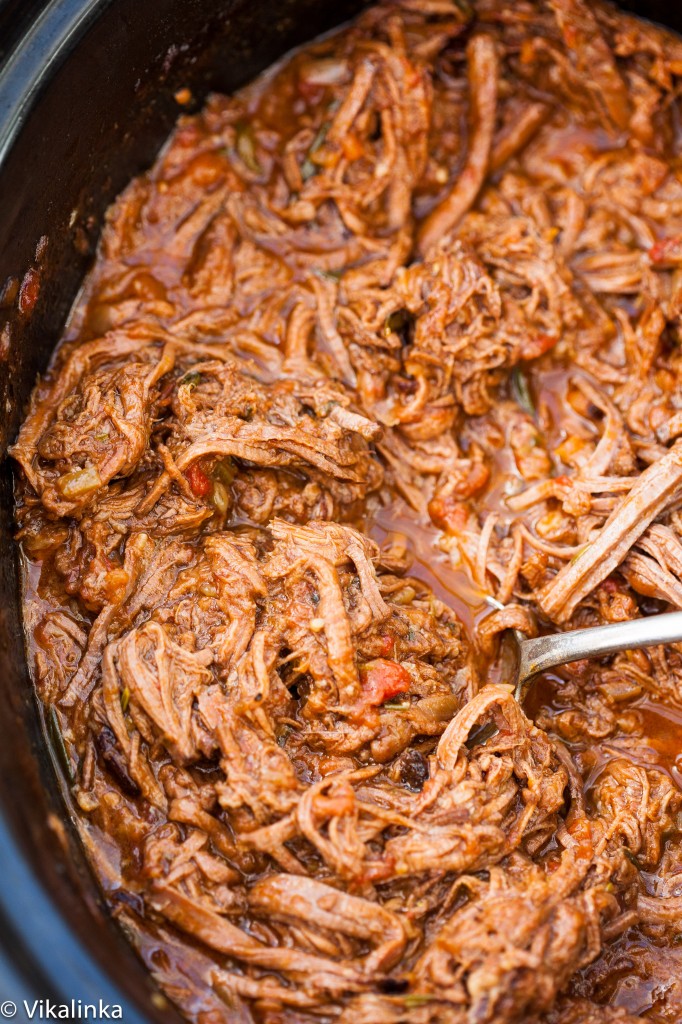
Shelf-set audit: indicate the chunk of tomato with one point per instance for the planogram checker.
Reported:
(382, 679)
(198, 481)
(667, 252)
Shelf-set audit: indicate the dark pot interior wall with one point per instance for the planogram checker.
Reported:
(86, 99)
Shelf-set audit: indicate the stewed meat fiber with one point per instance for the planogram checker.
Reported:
(391, 333)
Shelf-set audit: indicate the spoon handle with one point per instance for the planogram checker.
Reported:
(545, 652)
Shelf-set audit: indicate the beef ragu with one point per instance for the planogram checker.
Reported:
(393, 331)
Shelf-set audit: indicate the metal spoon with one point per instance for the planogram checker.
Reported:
(545, 652)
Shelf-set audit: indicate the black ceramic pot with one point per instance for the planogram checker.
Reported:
(86, 99)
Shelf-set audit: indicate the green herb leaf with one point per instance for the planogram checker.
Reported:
(521, 390)
(225, 471)
(190, 380)
(418, 999)
(57, 742)
(329, 275)
(308, 167)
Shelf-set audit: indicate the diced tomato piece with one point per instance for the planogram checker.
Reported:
(571, 36)
(537, 345)
(553, 863)
(198, 481)
(581, 833)
(383, 679)
(667, 252)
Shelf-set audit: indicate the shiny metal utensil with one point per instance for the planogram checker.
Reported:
(545, 652)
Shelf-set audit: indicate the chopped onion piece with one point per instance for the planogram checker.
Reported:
(79, 482)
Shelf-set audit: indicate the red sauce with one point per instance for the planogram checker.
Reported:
(398, 522)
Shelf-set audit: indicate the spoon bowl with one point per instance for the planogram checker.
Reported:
(537, 655)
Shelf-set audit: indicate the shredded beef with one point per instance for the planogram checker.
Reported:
(380, 360)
